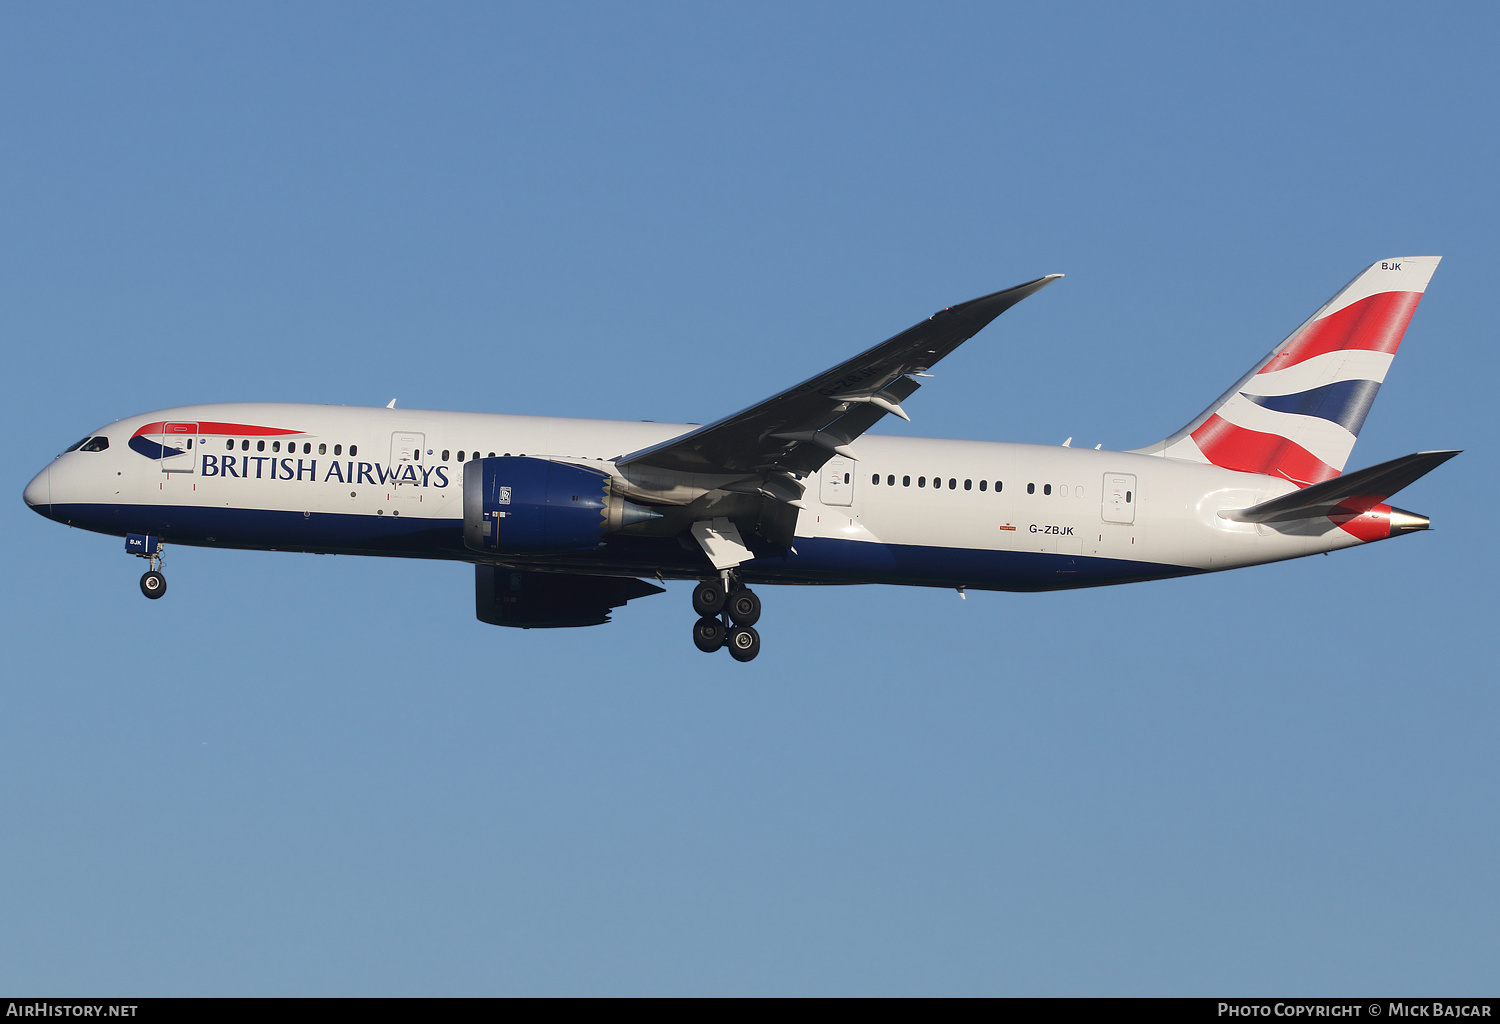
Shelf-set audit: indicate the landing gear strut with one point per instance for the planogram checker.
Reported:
(727, 611)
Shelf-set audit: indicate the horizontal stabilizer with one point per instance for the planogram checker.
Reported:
(1356, 492)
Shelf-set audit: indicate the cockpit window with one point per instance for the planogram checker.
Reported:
(95, 444)
(74, 446)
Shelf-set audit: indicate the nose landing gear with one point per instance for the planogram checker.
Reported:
(728, 612)
(153, 583)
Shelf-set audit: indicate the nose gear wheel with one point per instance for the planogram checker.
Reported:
(153, 584)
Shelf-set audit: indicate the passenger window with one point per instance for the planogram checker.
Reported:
(890, 481)
(1031, 488)
(906, 481)
(275, 446)
(999, 484)
(460, 455)
(968, 485)
(445, 455)
(492, 455)
(353, 450)
(952, 484)
(338, 449)
(921, 481)
(229, 444)
(307, 448)
(245, 445)
(1046, 488)
(1127, 497)
(875, 479)
(984, 484)
(260, 446)
(97, 444)
(74, 446)
(322, 449)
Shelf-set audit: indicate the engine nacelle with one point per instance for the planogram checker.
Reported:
(516, 504)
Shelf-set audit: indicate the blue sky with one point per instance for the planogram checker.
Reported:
(306, 775)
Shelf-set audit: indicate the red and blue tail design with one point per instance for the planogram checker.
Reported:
(1297, 414)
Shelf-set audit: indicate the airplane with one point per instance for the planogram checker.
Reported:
(566, 520)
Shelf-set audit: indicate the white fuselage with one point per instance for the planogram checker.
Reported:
(388, 481)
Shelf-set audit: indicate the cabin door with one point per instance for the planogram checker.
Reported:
(179, 447)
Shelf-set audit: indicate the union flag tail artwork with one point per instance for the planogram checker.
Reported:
(1297, 413)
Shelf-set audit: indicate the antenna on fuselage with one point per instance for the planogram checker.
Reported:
(391, 404)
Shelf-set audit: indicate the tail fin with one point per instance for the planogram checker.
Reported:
(1297, 413)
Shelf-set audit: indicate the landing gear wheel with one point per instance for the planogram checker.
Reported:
(708, 597)
(708, 634)
(153, 584)
(744, 608)
(744, 643)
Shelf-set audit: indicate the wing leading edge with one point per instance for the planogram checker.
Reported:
(803, 427)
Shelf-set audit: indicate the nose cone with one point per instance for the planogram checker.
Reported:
(38, 493)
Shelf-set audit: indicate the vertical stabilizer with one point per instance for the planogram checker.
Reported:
(1297, 414)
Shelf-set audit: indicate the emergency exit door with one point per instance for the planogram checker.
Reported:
(837, 486)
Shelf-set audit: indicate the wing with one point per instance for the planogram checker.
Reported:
(798, 430)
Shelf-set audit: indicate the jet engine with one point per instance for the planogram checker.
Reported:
(516, 504)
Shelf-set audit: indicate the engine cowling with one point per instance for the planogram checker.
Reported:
(516, 504)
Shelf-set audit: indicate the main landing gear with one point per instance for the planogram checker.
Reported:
(728, 613)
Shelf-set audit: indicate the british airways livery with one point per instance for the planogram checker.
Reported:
(566, 519)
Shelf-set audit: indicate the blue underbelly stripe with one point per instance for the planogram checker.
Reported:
(818, 559)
